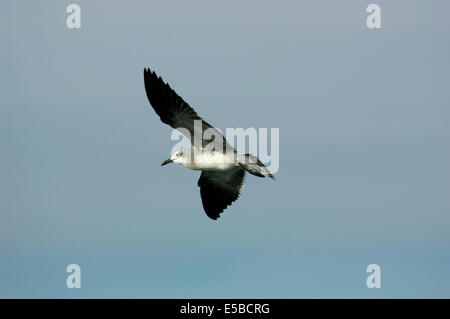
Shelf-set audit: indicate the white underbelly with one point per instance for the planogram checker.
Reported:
(210, 161)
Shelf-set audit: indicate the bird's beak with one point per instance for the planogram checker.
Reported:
(166, 162)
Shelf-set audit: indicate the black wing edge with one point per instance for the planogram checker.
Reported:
(216, 197)
(160, 95)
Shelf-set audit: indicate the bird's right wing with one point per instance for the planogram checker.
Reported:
(174, 111)
(220, 189)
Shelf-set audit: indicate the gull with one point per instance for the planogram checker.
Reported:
(223, 168)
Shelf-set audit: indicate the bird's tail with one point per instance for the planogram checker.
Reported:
(254, 166)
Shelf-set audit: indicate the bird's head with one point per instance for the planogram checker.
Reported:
(177, 157)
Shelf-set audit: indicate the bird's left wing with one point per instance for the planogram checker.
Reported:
(174, 111)
(219, 189)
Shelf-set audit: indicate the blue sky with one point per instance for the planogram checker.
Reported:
(364, 149)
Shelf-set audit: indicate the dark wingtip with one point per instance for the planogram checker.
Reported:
(148, 71)
(215, 215)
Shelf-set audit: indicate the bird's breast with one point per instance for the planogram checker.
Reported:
(209, 161)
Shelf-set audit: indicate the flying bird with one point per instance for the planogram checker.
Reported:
(223, 168)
